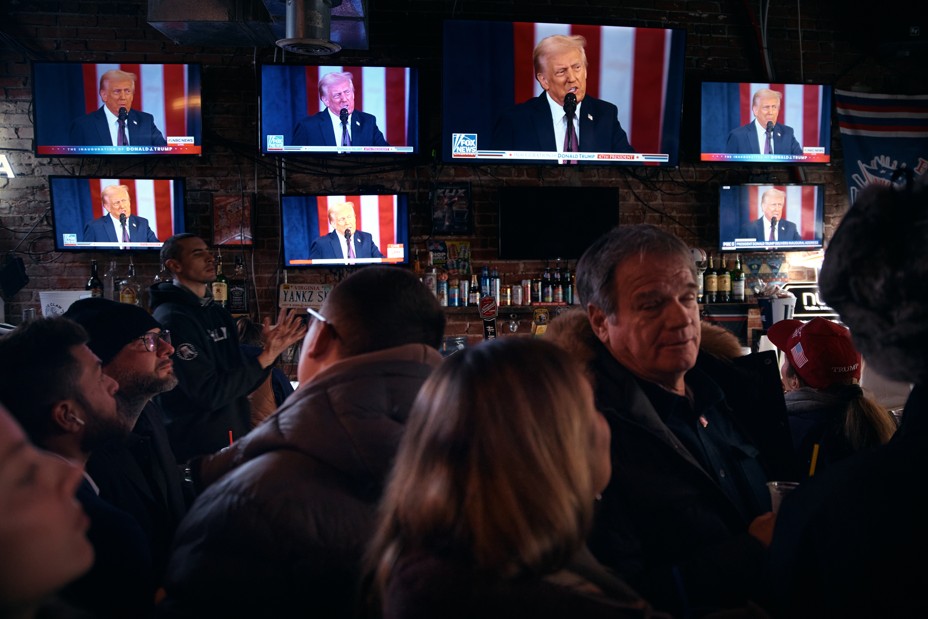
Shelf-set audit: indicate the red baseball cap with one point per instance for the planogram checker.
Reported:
(821, 351)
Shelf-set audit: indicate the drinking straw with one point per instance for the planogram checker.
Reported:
(814, 459)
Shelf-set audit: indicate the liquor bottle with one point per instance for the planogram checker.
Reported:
(547, 286)
(710, 284)
(220, 285)
(724, 282)
(495, 285)
(568, 286)
(557, 284)
(94, 285)
(737, 281)
(484, 281)
(473, 295)
(129, 289)
(238, 290)
(110, 289)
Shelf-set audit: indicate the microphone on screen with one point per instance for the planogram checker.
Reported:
(343, 115)
(122, 219)
(769, 128)
(570, 104)
(123, 114)
(347, 234)
(773, 221)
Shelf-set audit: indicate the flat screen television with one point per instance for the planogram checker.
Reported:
(800, 130)
(384, 113)
(536, 223)
(379, 231)
(81, 221)
(746, 211)
(163, 111)
(494, 109)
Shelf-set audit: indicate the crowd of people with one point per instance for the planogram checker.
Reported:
(615, 467)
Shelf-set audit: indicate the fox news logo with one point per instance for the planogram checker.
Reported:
(275, 142)
(463, 143)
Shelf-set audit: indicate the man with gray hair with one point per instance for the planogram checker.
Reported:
(852, 541)
(339, 124)
(115, 123)
(686, 516)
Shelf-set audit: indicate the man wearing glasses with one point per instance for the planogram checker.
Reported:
(287, 510)
(140, 474)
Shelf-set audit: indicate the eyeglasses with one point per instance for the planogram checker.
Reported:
(316, 315)
(151, 339)
(325, 321)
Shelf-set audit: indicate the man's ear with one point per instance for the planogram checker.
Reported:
(542, 80)
(172, 265)
(67, 416)
(598, 320)
(322, 343)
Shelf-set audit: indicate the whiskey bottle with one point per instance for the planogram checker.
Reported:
(220, 286)
(94, 285)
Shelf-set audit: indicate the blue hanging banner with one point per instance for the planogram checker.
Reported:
(880, 133)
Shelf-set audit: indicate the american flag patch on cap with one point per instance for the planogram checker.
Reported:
(799, 357)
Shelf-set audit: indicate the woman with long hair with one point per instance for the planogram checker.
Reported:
(492, 494)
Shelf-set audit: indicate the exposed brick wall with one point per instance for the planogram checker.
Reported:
(723, 44)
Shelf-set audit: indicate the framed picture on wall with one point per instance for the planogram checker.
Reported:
(452, 212)
(233, 220)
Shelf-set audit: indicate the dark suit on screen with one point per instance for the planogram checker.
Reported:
(329, 247)
(743, 141)
(101, 230)
(316, 130)
(93, 130)
(529, 126)
(786, 231)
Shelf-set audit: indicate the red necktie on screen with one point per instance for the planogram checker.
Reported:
(121, 139)
(570, 139)
(350, 247)
(125, 233)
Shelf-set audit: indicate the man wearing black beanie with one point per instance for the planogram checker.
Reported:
(140, 474)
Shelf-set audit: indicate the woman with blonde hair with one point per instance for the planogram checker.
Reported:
(492, 494)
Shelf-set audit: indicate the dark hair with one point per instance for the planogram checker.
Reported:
(171, 249)
(249, 332)
(38, 369)
(596, 267)
(874, 275)
(380, 307)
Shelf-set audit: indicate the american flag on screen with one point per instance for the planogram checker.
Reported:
(381, 91)
(158, 88)
(152, 199)
(801, 207)
(376, 215)
(614, 75)
(800, 108)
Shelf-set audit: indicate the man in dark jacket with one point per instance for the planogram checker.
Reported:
(138, 473)
(685, 517)
(851, 541)
(280, 529)
(209, 408)
(54, 386)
